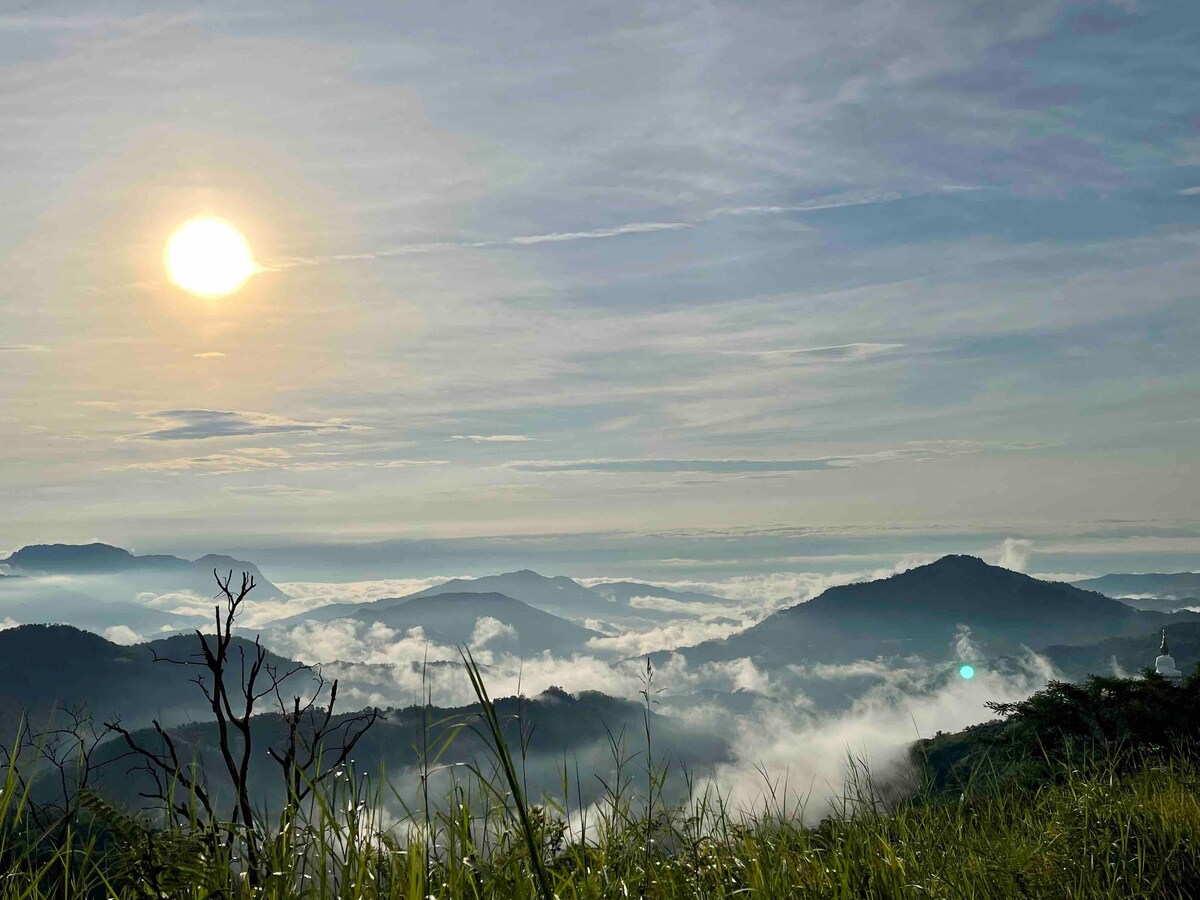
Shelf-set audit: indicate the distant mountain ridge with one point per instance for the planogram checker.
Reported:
(45, 665)
(920, 611)
(156, 570)
(452, 618)
(559, 596)
(1166, 586)
(54, 559)
(562, 596)
(627, 591)
(549, 726)
(30, 601)
(1128, 655)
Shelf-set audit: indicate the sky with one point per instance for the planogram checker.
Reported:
(745, 285)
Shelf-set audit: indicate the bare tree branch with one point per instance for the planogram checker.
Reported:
(312, 734)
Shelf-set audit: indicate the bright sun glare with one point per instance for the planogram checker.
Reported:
(209, 257)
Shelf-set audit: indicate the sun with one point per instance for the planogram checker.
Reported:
(209, 257)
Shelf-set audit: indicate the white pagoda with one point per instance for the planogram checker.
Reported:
(1164, 665)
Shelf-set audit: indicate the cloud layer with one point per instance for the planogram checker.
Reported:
(201, 424)
(644, 268)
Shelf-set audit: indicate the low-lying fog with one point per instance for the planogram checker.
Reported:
(799, 723)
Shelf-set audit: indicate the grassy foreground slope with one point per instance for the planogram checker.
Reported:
(1096, 833)
(1112, 809)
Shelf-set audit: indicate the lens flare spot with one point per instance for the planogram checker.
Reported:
(967, 672)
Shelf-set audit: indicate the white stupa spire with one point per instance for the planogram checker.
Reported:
(1164, 665)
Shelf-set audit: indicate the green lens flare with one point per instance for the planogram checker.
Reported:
(967, 672)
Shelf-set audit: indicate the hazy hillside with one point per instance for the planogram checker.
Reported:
(1129, 654)
(560, 595)
(44, 666)
(157, 573)
(919, 612)
(30, 601)
(1161, 604)
(556, 726)
(1057, 729)
(1173, 586)
(624, 592)
(454, 618)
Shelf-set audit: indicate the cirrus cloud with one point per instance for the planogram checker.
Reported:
(24, 348)
(852, 352)
(202, 424)
(493, 438)
(912, 451)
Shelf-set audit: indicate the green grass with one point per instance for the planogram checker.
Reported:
(1106, 828)
(1096, 834)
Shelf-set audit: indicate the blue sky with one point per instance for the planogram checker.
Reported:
(606, 269)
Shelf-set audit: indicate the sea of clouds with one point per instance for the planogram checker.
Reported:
(783, 747)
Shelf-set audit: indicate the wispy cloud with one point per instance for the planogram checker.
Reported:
(836, 353)
(202, 424)
(395, 463)
(914, 451)
(592, 234)
(657, 466)
(249, 460)
(493, 438)
(214, 463)
(858, 198)
(527, 240)
(24, 348)
(284, 491)
(831, 201)
(684, 633)
(211, 354)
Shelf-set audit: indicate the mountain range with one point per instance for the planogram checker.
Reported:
(559, 595)
(101, 588)
(921, 611)
(640, 596)
(47, 666)
(917, 612)
(555, 728)
(626, 603)
(1164, 586)
(155, 573)
(455, 618)
(28, 601)
(925, 613)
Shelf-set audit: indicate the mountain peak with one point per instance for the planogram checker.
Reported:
(959, 571)
(70, 556)
(465, 598)
(95, 548)
(529, 576)
(922, 611)
(961, 561)
(559, 595)
(970, 591)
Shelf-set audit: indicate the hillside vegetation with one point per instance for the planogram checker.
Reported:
(1111, 810)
